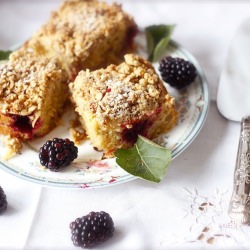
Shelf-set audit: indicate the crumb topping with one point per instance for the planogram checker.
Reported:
(23, 83)
(122, 93)
(93, 13)
(72, 31)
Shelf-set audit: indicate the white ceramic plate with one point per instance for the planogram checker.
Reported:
(89, 172)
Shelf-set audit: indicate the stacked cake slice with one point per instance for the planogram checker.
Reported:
(34, 82)
(85, 34)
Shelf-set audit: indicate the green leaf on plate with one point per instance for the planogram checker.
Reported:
(158, 37)
(4, 54)
(145, 159)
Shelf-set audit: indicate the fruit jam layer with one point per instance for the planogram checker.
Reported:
(131, 130)
(22, 125)
(130, 135)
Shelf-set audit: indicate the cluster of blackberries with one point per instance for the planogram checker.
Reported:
(3, 201)
(57, 153)
(177, 72)
(91, 229)
(96, 227)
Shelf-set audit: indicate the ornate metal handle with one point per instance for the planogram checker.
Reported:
(239, 207)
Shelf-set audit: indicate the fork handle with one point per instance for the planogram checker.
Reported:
(239, 207)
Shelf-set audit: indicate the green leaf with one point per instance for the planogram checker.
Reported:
(4, 54)
(158, 37)
(150, 43)
(145, 159)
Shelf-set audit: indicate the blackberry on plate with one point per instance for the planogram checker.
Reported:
(3, 201)
(91, 229)
(57, 153)
(177, 72)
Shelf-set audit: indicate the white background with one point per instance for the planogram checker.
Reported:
(146, 215)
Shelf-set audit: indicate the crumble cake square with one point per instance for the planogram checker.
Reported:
(117, 103)
(32, 94)
(85, 34)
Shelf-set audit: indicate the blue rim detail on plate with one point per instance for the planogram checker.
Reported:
(195, 117)
(203, 115)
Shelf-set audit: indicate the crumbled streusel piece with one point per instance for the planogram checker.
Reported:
(14, 146)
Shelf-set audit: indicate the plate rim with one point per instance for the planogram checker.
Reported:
(206, 96)
(200, 121)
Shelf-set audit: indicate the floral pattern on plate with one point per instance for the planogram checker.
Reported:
(88, 171)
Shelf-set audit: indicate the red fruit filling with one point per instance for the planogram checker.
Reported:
(128, 41)
(22, 124)
(130, 135)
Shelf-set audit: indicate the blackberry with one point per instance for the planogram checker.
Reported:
(177, 72)
(3, 201)
(91, 229)
(57, 153)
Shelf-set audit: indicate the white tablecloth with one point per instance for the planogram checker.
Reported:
(188, 209)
